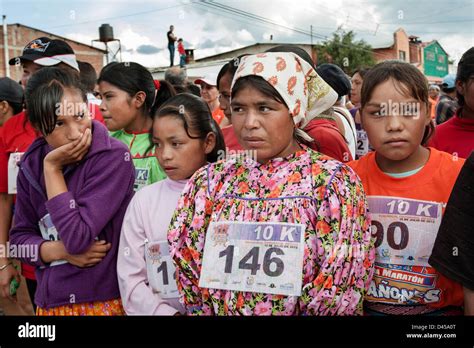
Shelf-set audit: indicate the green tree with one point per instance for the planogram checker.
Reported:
(342, 50)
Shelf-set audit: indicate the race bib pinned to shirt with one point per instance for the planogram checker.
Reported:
(405, 231)
(265, 257)
(49, 232)
(142, 177)
(13, 169)
(362, 147)
(160, 269)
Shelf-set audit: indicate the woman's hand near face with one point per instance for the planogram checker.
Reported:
(69, 153)
(61, 156)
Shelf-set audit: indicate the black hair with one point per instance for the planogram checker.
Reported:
(132, 78)
(229, 68)
(448, 90)
(464, 73)
(300, 52)
(180, 89)
(197, 116)
(17, 107)
(193, 89)
(165, 92)
(411, 81)
(87, 75)
(361, 71)
(44, 91)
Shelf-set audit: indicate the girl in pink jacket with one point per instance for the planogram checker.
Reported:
(186, 138)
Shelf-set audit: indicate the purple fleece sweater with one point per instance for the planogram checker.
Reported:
(99, 190)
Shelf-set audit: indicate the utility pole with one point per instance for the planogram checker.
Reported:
(5, 46)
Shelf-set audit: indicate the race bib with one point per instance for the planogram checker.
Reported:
(362, 143)
(160, 269)
(13, 170)
(405, 232)
(49, 232)
(264, 257)
(141, 178)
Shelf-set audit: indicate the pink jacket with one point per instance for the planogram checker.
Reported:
(147, 219)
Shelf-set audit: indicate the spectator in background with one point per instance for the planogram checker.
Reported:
(456, 136)
(193, 89)
(171, 40)
(363, 145)
(210, 94)
(88, 78)
(356, 84)
(447, 103)
(433, 99)
(182, 53)
(337, 79)
(11, 99)
(176, 76)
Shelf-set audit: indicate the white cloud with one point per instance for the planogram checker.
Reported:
(456, 45)
(219, 31)
(244, 35)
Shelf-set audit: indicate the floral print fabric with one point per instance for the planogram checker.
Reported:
(305, 187)
(305, 93)
(106, 308)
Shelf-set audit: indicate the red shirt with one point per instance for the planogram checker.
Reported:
(95, 112)
(17, 136)
(230, 139)
(455, 136)
(328, 139)
(181, 49)
(218, 115)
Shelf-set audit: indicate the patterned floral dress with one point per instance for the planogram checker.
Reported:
(307, 188)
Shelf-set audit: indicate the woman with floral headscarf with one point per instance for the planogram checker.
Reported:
(284, 230)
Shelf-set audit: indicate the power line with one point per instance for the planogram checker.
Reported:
(256, 17)
(123, 16)
(246, 14)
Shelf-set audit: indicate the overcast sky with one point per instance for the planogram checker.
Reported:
(142, 27)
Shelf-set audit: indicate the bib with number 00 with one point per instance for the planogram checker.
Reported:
(49, 232)
(265, 257)
(13, 169)
(405, 231)
(160, 269)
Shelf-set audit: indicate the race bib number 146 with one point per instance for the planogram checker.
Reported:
(265, 257)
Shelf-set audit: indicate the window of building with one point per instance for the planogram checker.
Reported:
(402, 55)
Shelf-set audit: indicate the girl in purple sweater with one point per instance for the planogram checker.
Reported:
(74, 185)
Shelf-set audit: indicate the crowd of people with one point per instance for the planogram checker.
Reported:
(275, 187)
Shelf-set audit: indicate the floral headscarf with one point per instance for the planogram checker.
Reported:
(305, 93)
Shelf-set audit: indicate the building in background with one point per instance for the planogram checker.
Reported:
(19, 35)
(429, 57)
